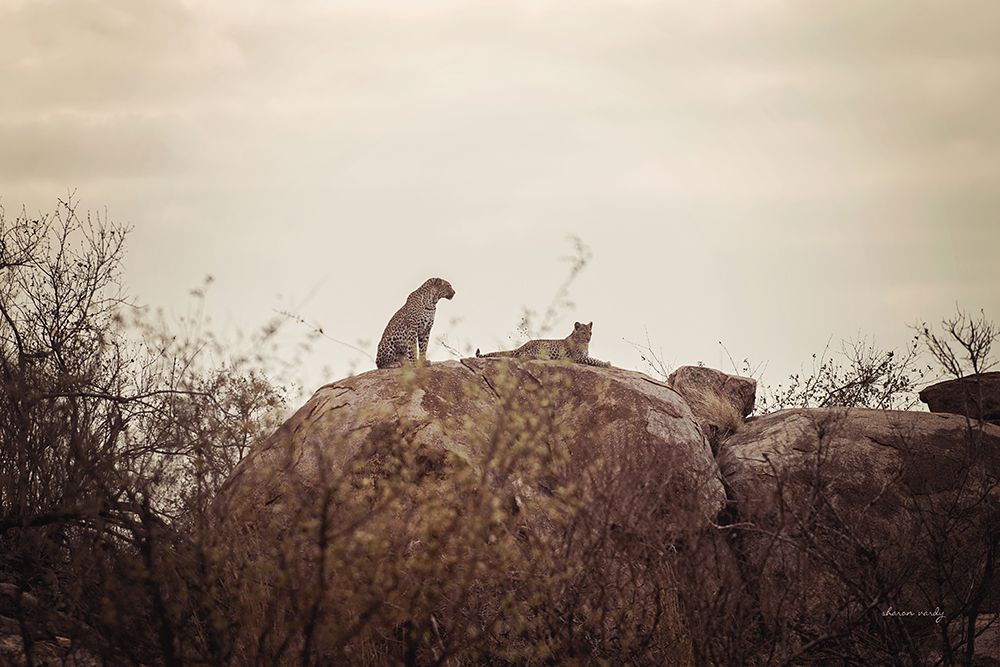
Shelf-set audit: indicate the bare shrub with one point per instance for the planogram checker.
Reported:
(965, 345)
(109, 441)
(538, 325)
(653, 359)
(860, 375)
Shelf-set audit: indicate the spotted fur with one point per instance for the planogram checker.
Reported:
(406, 335)
(575, 347)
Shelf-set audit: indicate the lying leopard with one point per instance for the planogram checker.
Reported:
(574, 347)
(405, 337)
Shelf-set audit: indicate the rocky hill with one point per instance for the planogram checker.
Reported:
(510, 511)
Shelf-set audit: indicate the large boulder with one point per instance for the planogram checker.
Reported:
(457, 407)
(564, 487)
(976, 396)
(850, 515)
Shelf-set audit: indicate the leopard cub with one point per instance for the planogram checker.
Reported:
(574, 347)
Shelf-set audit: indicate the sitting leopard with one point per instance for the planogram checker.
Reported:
(574, 347)
(406, 335)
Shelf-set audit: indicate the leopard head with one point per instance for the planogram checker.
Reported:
(438, 287)
(583, 331)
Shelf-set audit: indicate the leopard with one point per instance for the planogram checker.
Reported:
(574, 347)
(405, 337)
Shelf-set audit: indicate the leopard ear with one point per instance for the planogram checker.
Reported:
(576, 325)
(591, 325)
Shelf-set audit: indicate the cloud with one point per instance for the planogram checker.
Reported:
(758, 98)
(63, 55)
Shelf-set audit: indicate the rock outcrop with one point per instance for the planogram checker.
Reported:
(587, 503)
(975, 396)
(854, 512)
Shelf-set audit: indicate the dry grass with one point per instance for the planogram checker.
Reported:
(718, 417)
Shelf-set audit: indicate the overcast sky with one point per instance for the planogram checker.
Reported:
(767, 174)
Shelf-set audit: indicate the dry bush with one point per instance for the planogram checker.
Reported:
(860, 375)
(965, 344)
(113, 434)
(538, 325)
